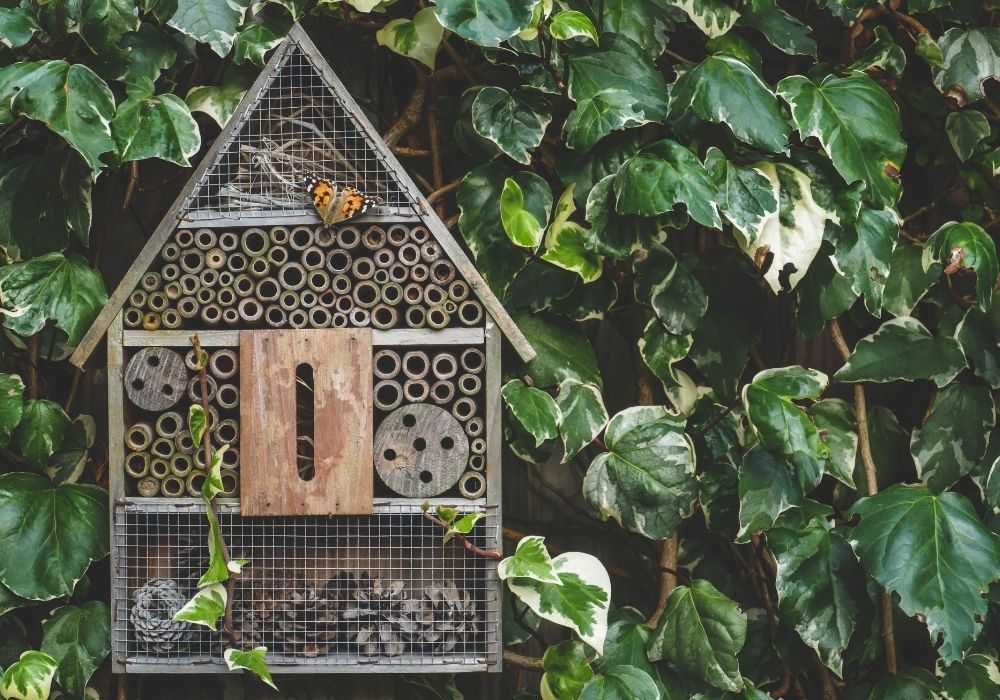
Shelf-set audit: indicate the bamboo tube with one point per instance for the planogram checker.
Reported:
(190, 361)
(341, 284)
(344, 305)
(464, 408)
(442, 391)
(419, 273)
(223, 363)
(434, 295)
(289, 300)
(416, 317)
(477, 462)
(228, 396)
(339, 320)
(195, 480)
(324, 237)
(472, 485)
(398, 273)
(181, 465)
(157, 301)
(192, 261)
(413, 293)
(137, 464)
(187, 307)
(250, 310)
(381, 276)
(244, 285)
(397, 235)
(151, 321)
(211, 314)
(184, 238)
(444, 365)
(230, 316)
(259, 266)
(327, 298)
(227, 432)
(477, 446)
(277, 255)
(301, 238)
(472, 360)
(360, 317)
(194, 388)
(168, 424)
(132, 317)
(170, 272)
(363, 268)
(226, 297)
(159, 467)
(416, 390)
(231, 458)
(190, 283)
(392, 293)
(430, 251)
(298, 318)
(148, 487)
(172, 486)
(268, 289)
(151, 281)
(163, 448)
(230, 483)
(450, 307)
(170, 251)
(237, 262)
(419, 234)
(226, 278)
(470, 384)
(138, 298)
(278, 235)
(388, 395)
(208, 277)
(384, 316)
(437, 317)
(366, 294)
(215, 259)
(255, 242)
(318, 280)
(320, 317)
(313, 258)
(386, 364)
(348, 237)
(292, 276)
(384, 258)
(198, 456)
(229, 241)
(442, 272)
(173, 290)
(474, 427)
(205, 238)
(205, 295)
(416, 364)
(373, 238)
(184, 443)
(139, 436)
(409, 254)
(470, 312)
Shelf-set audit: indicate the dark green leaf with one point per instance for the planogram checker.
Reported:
(909, 281)
(566, 669)
(78, 637)
(966, 130)
(563, 352)
(535, 410)
(66, 465)
(11, 405)
(783, 427)
(767, 489)
(945, 448)
(965, 246)
(155, 126)
(970, 56)
(583, 415)
(864, 254)
(485, 22)
(514, 121)
(41, 430)
(17, 26)
(259, 37)
(212, 22)
(620, 683)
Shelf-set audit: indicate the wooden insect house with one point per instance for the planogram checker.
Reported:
(354, 373)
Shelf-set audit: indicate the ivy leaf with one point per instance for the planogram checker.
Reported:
(972, 678)
(41, 430)
(767, 489)
(700, 634)
(205, 608)
(220, 101)
(713, 17)
(664, 175)
(945, 449)
(621, 683)
(674, 293)
(866, 256)
(49, 534)
(196, 423)
(462, 526)
(11, 405)
(882, 53)
(30, 678)
(858, 125)
(514, 121)
(212, 22)
(935, 554)
(485, 22)
(212, 485)
(150, 52)
(534, 409)
(563, 352)
(822, 294)
(903, 349)
(67, 463)
(722, 89)
(70, 99)
(522, 226)
(970, 57)
(17, 26)
(530, 560)
(160, 126)
(661, 349)
(612, 234)
(418, 38)
(783, 427)
(819, 583)
(646, 480)
(583, 416)
(103, 23)
(77, 637)
(566, 246)
(746, 195)
(258, 37)
(566, 669)
(783, 31)
(217, 571)
(977, 333)
(570, 24)
(909, 281)
(966, 130)
(835, 420)
(645, 22)
(253, 661)
(910, 684)
(965, 246)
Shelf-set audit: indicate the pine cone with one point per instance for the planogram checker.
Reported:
(447, 618)
(307, 623)
(152, 616)
(380, 617)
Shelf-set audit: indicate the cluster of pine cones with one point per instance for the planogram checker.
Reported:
(367, 615)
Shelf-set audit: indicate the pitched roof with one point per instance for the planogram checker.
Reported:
(360, 157)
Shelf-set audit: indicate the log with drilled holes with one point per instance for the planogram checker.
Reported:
(155, 378)
(420, 451)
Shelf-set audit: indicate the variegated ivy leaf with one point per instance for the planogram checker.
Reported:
(863, 253)
(534, 409)
(583, 416)
(530, 560)
(976, 676)
(768, 488)
(965, 246)
(514, 121)
(154, 126)
(565, 242)
(909, 281)
(486, 22)
(78, 637)
(835, 420)
(903, 349)
(970, 56)
(858, 125)
(462, 526)
(30, 678)
(254, 661)
(212, 22)
(207, 606)
(666, 283)
(566, 669)
(417, 38)
(579, 600)
(623, 682)
(722, 89)
(570, 24)
(220, 101)
(783, 31)
(746, 195)
(966, 130)
(713, 17)
(646, 480)
(882, 53)
(67, 463)
(217, 571)
(781, 425)
(196, 423)
(17, 26)
(212, 486)
(661, 349)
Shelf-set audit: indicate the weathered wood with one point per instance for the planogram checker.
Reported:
(341, 361)
(420, 451)
(494, 487)
(156, 378)
(380, 338)
(116, 455)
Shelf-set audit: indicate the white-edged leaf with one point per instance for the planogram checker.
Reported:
(205, 608)
(30, 678)
(254, 661)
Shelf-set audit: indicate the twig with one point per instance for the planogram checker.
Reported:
(871, 479)
(532, 663)
(33, 367)
(74, 386)
(469, 547)
(443, 190)
(668, 580)
(437, 177)
(411, 113)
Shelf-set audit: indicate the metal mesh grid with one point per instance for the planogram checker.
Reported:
(299, 594)
(297, 125)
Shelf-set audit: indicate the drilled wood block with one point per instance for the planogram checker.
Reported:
(155, 378)
(341, 361)
(420, 451)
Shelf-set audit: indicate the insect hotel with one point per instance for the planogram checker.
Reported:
(354, 373)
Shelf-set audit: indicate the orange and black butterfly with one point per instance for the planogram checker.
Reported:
(335, 203)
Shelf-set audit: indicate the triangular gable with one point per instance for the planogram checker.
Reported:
(218, 183)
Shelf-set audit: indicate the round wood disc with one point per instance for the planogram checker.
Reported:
(420, 450)
(156, 378)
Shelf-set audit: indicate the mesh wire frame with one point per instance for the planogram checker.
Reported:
(155, 540)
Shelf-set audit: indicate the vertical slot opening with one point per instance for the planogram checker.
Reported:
(305, 411)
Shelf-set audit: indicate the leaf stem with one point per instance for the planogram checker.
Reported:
(466, 544)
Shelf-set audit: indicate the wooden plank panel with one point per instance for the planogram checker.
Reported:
(341, 359)
(393, 336)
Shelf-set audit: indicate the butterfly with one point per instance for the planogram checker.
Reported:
(335, 203)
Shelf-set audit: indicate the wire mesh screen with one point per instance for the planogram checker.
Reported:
(346, 591)
(297, 125)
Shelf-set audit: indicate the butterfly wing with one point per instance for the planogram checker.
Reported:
(335, 204)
